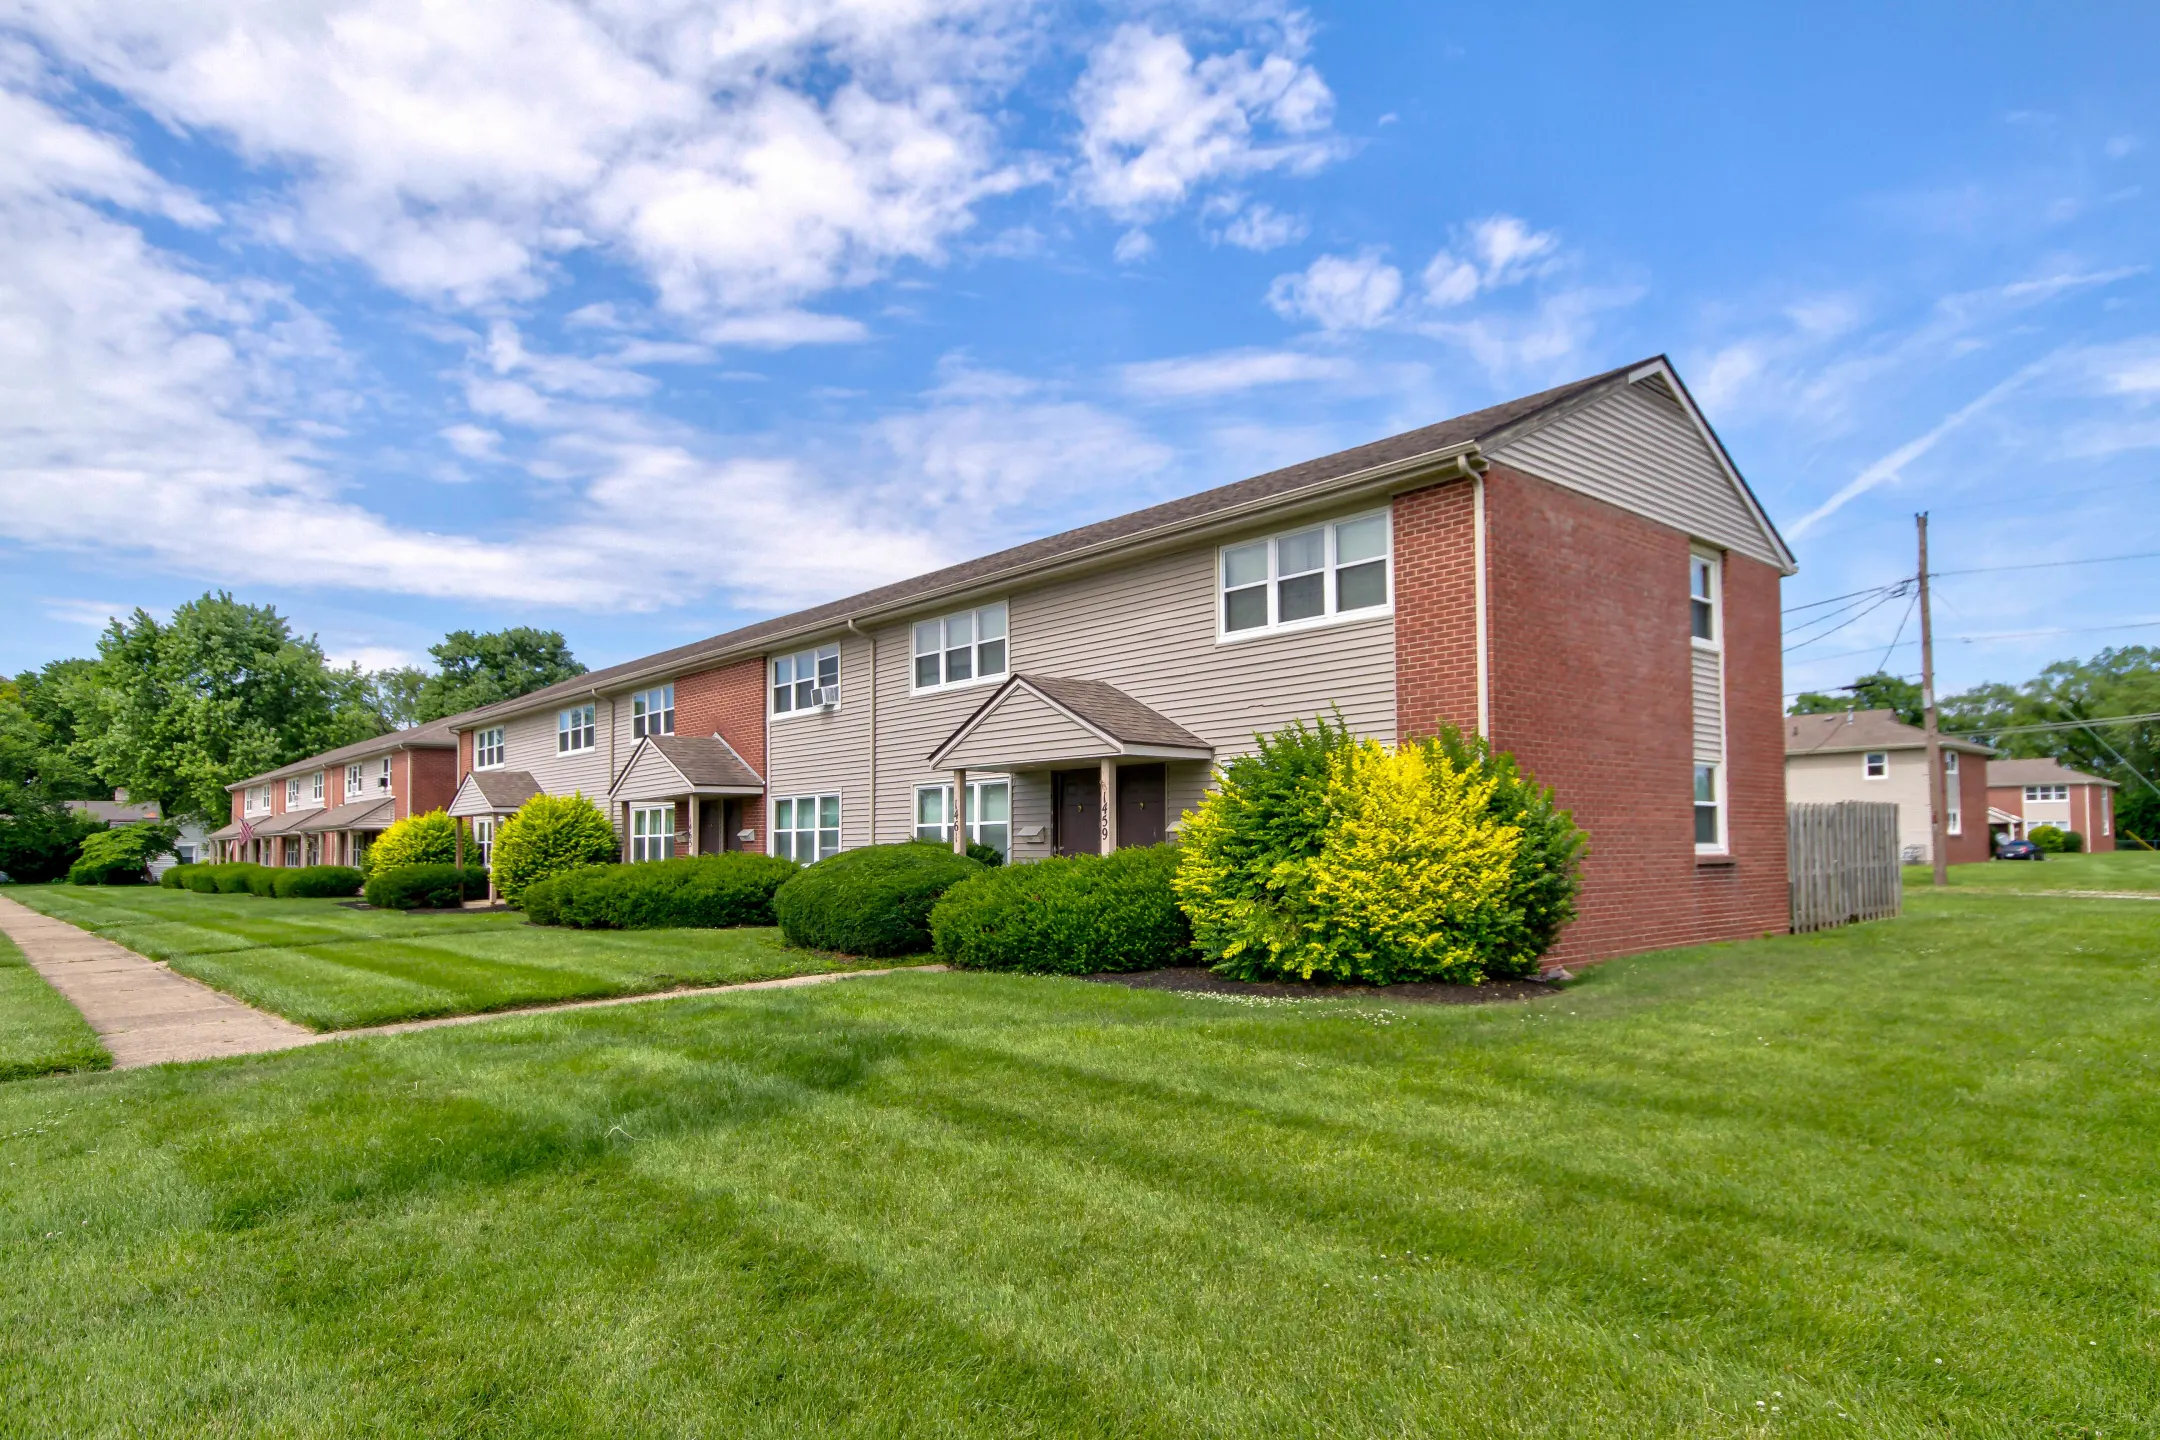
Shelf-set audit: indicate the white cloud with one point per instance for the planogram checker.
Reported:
(474, 442)
(1263, 228)
(1551, 340)
(1229, 372)
(1132, 247)
(1489, 254)
(1158, 124)
(1339, 292)
(96, 614)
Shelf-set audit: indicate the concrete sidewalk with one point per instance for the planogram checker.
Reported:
(147, 1014)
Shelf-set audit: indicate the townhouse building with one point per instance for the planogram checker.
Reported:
(1581, 576)
(328, 808)
(2025, 794)
(1873, 755)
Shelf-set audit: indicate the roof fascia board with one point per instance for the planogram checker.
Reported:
(1458, 461)
(967, 726)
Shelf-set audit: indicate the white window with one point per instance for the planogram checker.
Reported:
(355, 780)
(1709, 831)
(1703, 599)
(483, 834)
(652, 832)
(2107, 818)
(574, 730)
(806, 828)
(1953, 803)
(382, 774)
(1875, 765)
(257, 801)
(292, 794)
(989, 814)
(1306, 577)
(316, 786)
(2047, 792)
(958, 649)
(652, 712)
(806, 680)
(487, 749)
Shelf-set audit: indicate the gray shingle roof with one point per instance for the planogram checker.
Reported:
(1291, 480)
(1853, 730)
(435, 735)
(360, 815)
(707, 760)
(503, 789)
(2040, 772)
(1113, 712)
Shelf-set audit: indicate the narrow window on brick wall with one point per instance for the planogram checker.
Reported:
(1709, 829)
(1953, 810)
(1305, 577)
(1703, 599)
(652, 712)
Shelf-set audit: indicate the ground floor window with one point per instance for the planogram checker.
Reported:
(806, 828)
(1707, 828)
(652, 832)
(314, 850)
(483, 835)
(989, 814)
(359, 849)
(292, 851)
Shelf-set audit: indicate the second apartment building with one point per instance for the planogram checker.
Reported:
(1580, 575)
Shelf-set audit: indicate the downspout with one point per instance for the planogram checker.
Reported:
(867, 635)
(1484, 642)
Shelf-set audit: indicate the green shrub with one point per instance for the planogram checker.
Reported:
(233, 879)
(176, 876)
(987, 854)
(425, 887)
(550, 835)
(40, 838)
(425, 839)
(122, 855)
(1323, 857)
(873, 901)
(705, 891)
(1074, 916)
(202, 879)
(2051, 839)
(261, 880)
(316, 882)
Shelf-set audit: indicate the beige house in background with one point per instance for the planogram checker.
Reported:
(1872, 755)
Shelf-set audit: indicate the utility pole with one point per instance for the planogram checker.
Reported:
(1938, 806)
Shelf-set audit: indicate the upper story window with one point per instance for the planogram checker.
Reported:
(955, 649)
(806, 680)
(652, 712)
(382, 773)
(315, 786)
(1305, 577)
(2047, 792)
(256, 800)
(487, 748)
(355, 780)
(1703, 599)
(1875, 765)
(292, 793)
(574, 730)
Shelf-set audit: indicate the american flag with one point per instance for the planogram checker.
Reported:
(247, 832)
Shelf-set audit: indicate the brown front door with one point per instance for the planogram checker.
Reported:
(731, 825)
(1077, 795)
(1139, 805)
(712, 826)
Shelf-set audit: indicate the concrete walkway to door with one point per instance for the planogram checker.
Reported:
(145, 1013)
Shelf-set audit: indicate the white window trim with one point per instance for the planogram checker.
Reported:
(383, 774)
(356, 780)
(1724, 810)
(1330, 616)
(974, 827)
(839, 680)
(1866, 761)
(978, 678)
(772, 826)
(652, 839)
(1716, 561)
(483, 834)
(2050, 798)
(500, 748)
(665, 696)
(588, 733)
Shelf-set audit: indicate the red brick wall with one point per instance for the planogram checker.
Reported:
(1972, 845)
(464, 755)
(1590, 689)
(434, 776)
(728, 702)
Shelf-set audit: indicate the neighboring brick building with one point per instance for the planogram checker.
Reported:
(1872, 755)
(328, 808)
(1580, 575)
(2023, 794)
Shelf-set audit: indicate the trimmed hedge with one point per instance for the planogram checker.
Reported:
(260, 881)
(425, 887)
(2050, 839)
(1079, 915)
(175, 877)
(703, 891)
(874, 901)
(204, 879)
(551, 835)
(316, 882)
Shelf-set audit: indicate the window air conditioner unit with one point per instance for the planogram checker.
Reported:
(825, 697)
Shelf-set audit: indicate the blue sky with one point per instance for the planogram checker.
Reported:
(641, 321)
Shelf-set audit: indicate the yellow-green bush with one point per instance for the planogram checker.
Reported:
(427, 839)
(549, 835)
(1324, 857)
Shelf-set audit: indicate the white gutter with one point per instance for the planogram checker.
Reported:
(1484, 644)
(865, 634)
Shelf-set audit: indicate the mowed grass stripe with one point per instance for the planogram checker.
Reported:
(40, 1032)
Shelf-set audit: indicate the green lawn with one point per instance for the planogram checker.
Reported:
(1896, 1180)
(2116, 870)
(40, 1033)
(333, 968)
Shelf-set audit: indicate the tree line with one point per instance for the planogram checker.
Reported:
(174, 711)
(2122, 681)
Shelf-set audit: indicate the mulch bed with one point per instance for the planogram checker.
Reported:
(1207, 982)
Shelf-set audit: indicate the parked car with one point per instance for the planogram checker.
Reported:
(2019, 850)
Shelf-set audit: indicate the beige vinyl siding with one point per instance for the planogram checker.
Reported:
(529, 745)
(1636, 448)
(1025, 724)
(1709, 707)
(1824, 779)
(1149, 629)
(827, 752)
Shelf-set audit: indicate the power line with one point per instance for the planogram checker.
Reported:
(1818, 604)
(1853, 619)
(2038, 728)
(1972, 639)
(2049, 564)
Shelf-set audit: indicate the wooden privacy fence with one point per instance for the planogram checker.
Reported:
(1843, 861)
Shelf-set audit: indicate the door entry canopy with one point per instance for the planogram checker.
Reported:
(1045, 722)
